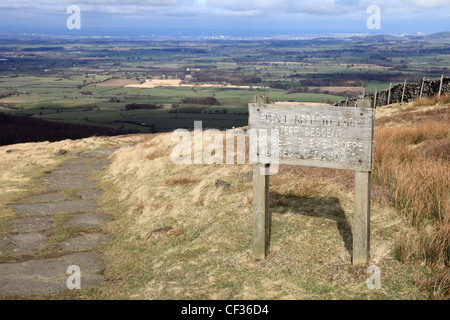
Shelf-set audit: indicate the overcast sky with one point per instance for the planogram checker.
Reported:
(397, 16)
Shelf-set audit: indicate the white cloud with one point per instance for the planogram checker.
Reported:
(427, 4)
(249, 8)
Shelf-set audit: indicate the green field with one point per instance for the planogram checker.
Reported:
(65, 84)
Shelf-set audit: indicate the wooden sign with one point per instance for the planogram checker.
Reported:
(320, 136)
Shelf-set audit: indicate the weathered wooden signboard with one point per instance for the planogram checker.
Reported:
(319, 136)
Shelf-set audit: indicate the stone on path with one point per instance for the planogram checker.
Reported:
(45, 276)
(31, 224)
(76, 170)
(68, 184)
(89, 220)
(86, 241)
(44, 197)
(38, 215)
(77, 162)
(62, 177)
(105, 152)
(21, 244)
(40, 209)
(80, 163)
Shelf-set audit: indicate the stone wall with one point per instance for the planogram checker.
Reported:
(412, 92)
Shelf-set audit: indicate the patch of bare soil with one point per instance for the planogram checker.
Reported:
(339, 90)
(116, 83)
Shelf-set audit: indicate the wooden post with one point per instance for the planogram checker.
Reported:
(440, 87)
(262, 99)
(421, 88)
(389, 94)
(261, 214)
(403, 94)
(346, 102)
(361, 220)
(375, 100)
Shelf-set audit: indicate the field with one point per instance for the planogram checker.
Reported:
(179, 236)
(93, 82)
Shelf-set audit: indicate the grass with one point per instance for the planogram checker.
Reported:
(178, 236)
(206, 254)
(20, 172)
(204, 251)
(412, 162)
(436, 100)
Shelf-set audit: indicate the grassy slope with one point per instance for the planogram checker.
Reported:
(206, 253)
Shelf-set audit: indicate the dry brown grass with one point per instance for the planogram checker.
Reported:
(340, 90)
(178, 236)
(180, 181)
(203, 247)
(153, 83)
(155, 154)
(412, 161)
(399, 115)
(436, 100)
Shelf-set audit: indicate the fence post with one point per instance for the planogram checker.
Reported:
(421, 88)
(375, 100)
(389, 94)
(403, 94)
(440, 87)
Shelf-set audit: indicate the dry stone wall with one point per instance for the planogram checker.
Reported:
(412, 92)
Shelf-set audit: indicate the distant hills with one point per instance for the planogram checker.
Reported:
(440, 35)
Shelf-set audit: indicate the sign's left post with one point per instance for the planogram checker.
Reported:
(261, 213)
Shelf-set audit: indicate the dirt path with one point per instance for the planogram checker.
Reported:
(57, 232)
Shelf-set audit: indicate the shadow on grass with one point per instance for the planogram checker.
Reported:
(329, 208)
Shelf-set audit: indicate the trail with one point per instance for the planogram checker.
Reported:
(44, 215)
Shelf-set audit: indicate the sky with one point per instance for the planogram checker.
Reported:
(228, 16)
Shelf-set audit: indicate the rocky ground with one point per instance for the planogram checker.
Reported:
(69, 204)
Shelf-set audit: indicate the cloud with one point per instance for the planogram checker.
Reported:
(224, 8)
(429, 4)
(327, 7)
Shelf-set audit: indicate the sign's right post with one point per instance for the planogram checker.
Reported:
(361, 214)
(361, 218)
